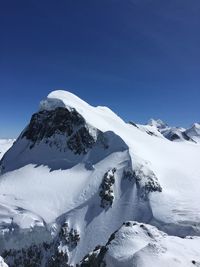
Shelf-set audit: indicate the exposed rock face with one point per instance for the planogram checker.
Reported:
(69, 237)
(81, 141)
(174, 134)
(96, 257)
(106, 189)
(47, 123)
(66, 241)
(58, 259)
(30, 257)
(133, 124)
(145, 180)
(53, 254)
(36, 255)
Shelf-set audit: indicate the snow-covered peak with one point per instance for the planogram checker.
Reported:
(61, 98)
(157, 123)
(100, 117)
(195, 129)
(194, 132)
(196, 125)
(172, 133)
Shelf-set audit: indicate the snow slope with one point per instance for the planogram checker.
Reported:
(143, 245)
(2, 263)
(120, 173)
(5, 144)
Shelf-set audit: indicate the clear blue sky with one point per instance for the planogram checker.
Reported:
(139, 57)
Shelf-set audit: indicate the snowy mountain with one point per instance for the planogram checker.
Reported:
(76, 173)
(194, 132)
(159, 124)
(161, 129)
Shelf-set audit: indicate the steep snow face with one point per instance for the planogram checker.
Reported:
(142, 245)
(5, 144)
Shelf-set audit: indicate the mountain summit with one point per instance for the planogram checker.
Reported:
(157, 123)
(79, 183)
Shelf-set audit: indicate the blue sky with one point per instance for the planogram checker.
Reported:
(139, 57)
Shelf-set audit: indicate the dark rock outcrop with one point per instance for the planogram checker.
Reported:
(45, 254)
(69, 237)
(146, 182)
(47, 123)
(81, 141)
(106, 189)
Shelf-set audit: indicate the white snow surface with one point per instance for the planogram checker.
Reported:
(2, 263)
(99, 117)
(44, 196)
(143, 245)
(5, 144)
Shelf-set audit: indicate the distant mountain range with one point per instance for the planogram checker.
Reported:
(160, 128)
